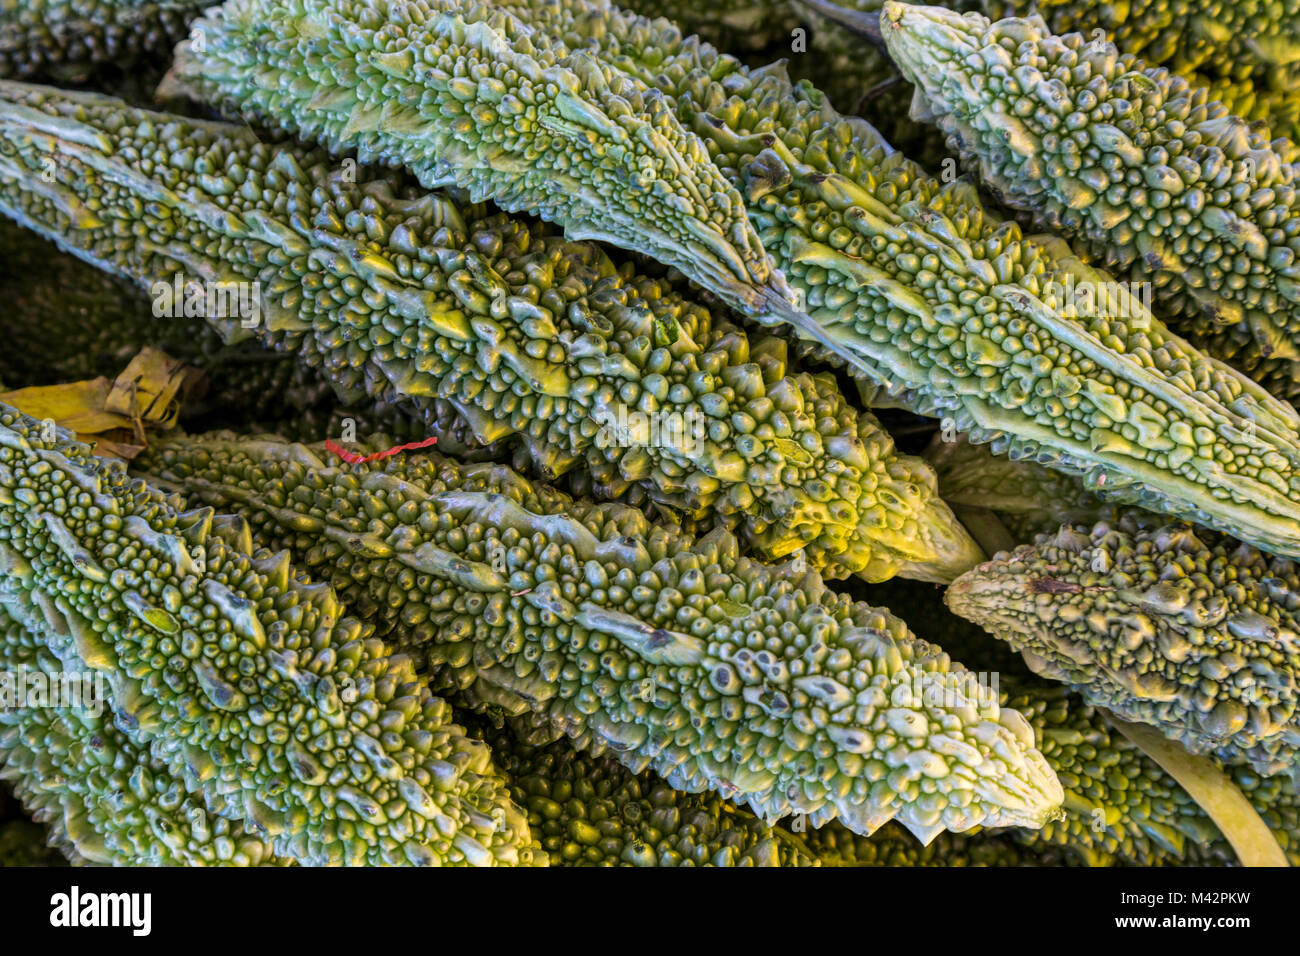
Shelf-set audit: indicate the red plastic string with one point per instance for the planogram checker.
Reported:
(354, 459)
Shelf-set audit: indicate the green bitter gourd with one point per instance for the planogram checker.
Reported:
(953, 313)
(465, 95)
(1150, 172)
(1181, 629)
(240, 675)
(677, 655)
(519, 331)
(1120, 805)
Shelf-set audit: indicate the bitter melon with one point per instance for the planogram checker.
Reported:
(953, 313)
(678, 655)
(1247, 51)
(1159, 623)
(66, 321)
(466, 95)
(592, 811)
(1246, 54)
(397, 294)
(239, 675)
(101, 794)
(1150, 172)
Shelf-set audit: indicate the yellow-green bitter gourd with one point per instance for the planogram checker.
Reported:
(675, 654)
(954, 313)
(1190, 632)
(1150, 172)
(242, 677)
(396, 294)
(1120, 805)
(465, 95)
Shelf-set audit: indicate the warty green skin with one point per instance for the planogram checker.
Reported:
(858, 79)
(592, 811)
(221, 246)
(1155, 176)
(240, 675)
(1192, 634)
(1246, 50)
(954, 314)
(518, 331)
(676, 655)
(66, 40)
(1120, 806)
(1184, 35)
(465, 96)
(101, 794)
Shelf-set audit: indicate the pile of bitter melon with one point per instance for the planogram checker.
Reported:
(561, 495)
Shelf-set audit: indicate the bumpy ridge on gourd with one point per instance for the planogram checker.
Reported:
(953, 313)
(464, 94)
(240, 675)
(1154, 174)
(838, 846)
(677, 655)
(1161, 624)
